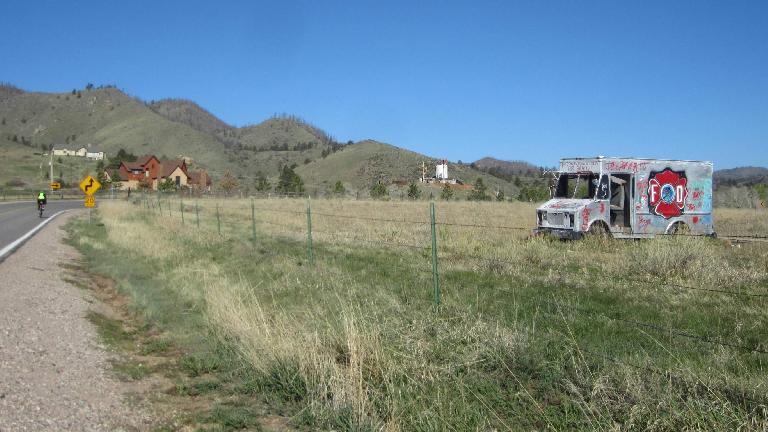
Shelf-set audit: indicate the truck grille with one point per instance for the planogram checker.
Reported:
(555, 219)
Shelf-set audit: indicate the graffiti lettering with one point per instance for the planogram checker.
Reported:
(626, 165)
(643, 223)
(585, 219)
(578, 166)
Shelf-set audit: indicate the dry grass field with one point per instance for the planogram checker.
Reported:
(530, 333)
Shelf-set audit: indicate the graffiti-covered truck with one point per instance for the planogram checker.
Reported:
(628, 198)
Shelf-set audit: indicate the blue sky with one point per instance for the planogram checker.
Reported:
(533, 80)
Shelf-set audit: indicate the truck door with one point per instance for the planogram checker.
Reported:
(620, 201)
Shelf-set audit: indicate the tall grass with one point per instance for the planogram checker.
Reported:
(532, 333)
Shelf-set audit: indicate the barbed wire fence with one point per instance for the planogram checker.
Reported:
(245, 217)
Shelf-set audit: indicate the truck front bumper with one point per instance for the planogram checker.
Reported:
(563, 234)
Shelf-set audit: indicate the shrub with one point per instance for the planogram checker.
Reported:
(413, 191)
(479, 191)
(447, 193)
(379, 191)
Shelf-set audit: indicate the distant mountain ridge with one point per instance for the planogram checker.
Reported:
(748, 175)
(503, 168)
(107, 118)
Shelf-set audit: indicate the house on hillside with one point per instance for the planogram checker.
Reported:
(149, 171)
(86, 152)
(200, 181)
(143, 170)
(94, 154)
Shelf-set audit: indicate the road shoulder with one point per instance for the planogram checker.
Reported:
(54, 373)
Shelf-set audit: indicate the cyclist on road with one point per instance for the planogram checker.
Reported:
(41, 200)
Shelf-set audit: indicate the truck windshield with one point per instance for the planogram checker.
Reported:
(579, 186)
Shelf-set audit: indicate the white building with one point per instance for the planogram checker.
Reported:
(80, 152)
(95, 155)
(441, 170)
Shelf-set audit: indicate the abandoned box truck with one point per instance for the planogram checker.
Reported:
(628, 198)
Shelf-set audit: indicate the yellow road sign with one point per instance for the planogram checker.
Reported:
(55, 185)
(90, 201)
(89, 185)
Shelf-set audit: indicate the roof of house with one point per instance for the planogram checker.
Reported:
(169, 166)
(140, 162)
(115, 173)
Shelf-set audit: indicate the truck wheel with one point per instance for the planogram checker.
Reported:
(679, 228)
(598, 229)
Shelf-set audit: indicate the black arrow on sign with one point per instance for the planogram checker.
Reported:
(90, 183)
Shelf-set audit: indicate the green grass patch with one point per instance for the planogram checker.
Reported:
(111, 331)
(131, 370)
(232, 417)
(155, 346)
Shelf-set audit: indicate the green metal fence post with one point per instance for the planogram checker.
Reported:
(310, 255)
(253, 221)
(218, 219)
(197, 215)
(435, 276)
(181, 207)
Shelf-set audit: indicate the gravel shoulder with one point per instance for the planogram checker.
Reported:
(54, 375)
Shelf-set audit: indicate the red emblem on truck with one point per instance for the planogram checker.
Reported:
(667, 191)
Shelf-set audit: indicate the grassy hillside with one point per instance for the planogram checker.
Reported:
(504, 168)
(190, 113)
(107, 119)
(276, 142)
(361, 165)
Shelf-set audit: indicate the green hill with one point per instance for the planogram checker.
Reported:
(359, 166)
(107, 119)
(190, 113)
(260, 148)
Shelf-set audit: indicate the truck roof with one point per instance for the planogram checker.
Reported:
(634, 158)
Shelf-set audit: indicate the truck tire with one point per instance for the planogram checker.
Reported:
(598, 229)
(679, 228)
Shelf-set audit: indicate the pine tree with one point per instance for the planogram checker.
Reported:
(413, 191)
(447, 193)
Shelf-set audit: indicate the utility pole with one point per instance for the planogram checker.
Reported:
(50, 179)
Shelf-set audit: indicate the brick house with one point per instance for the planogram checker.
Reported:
(144, 169)
(151, 171)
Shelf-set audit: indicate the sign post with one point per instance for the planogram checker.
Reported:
(89, 186)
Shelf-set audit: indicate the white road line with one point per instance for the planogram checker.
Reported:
(4, 252)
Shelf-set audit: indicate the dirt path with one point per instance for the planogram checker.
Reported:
(54, 376)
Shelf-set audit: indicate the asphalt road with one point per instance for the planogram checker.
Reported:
(18, 218)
